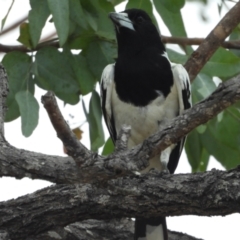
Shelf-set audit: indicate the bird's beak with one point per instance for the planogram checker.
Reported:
(121, 20)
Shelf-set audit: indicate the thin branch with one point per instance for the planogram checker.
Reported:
(74, 148)
(21, 48)
(197, 41)
(170, 40)
(3, 96)
(122, 141)
(49, 37)
(210, 193)
(14, 25)
(213, 41)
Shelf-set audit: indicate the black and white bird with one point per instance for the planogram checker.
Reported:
(144, 90)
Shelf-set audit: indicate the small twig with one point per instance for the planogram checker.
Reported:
(14, 25)
(48, 38)
(122, 141)
(21, 48)
(4, 89)
(213, 41)
(74, 148)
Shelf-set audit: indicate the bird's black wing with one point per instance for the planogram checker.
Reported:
(181, 79)
(107, 84)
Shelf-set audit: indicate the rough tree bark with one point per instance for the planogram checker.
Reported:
(208, 194)
(91, 186)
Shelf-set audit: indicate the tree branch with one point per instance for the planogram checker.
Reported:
(166, 39)
(21, 163)
(213, 41)
(209, 193)
(74, 147)
(198, 41)
(14, 25)
(98, 169)
(21, 48)
(3, 96)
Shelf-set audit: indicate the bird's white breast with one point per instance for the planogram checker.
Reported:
(144, 121)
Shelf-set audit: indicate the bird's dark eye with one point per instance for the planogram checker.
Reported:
(140, 19)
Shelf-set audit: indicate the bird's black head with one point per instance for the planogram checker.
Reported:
(135, 31)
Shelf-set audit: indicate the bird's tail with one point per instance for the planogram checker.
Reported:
(151, 229)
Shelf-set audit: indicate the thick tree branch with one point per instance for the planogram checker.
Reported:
(213, 41)
(21, 163)
(97, 168)
(209, 193)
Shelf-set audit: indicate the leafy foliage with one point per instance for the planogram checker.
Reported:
(83, 25)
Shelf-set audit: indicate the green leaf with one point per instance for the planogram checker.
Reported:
(202, 87)
(77, 13)
(204, 161)
(24, 37)
(222, 139)
(108, 147)
(176, 57)
(97, 14)
(18, 66)
(235, 35)
(223, 64)
(108, 36)
(91, 21)
(197, 155)
(143, 4)
(95, 122)
(6, 16)
(193, 149)
(116, 2)
(146, 5)
(37, 18)
(171, 15)
(84, 76)
(201, 128)
(82, 39)
(105, 53)
(54, 72)
(29, 109)
(60, 12)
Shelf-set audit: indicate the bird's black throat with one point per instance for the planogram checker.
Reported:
(140, 78)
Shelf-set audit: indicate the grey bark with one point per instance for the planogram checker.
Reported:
(208, 194)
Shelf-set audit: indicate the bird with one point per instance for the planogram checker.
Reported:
(143, 89)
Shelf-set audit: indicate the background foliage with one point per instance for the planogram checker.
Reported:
(71, 66)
